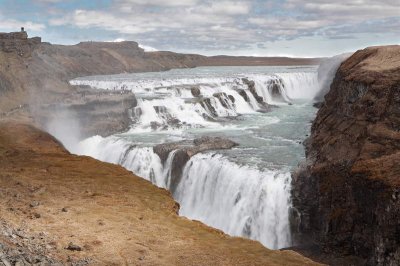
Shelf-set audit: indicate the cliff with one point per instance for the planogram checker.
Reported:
(348, 191)
(18, 42)
(61, 209)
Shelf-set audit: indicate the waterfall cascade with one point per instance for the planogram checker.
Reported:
(200, 102)
(239, 200)
(222, 190)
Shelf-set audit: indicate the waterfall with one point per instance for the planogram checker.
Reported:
(200, 102)
(140, 160)
(239, 200)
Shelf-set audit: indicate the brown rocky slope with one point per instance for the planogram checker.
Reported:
(59, 209)
(348, 191)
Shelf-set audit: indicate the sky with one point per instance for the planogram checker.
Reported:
(296, 28)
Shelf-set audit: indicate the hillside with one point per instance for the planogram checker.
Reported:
(60, 208)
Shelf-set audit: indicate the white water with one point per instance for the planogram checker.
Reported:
(168, 103)
(239, 200)
(244, 191)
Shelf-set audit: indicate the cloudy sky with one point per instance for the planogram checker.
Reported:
(243, 27)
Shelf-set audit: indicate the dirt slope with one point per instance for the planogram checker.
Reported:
(116, 217)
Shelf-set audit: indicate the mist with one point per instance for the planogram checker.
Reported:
(64, 125)
(326, 73)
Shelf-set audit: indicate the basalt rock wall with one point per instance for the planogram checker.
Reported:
(347, 193)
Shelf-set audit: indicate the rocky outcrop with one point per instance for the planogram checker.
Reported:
(260, 100)
(97, 112)
(18, 42)
(184, 150)
(347, 193)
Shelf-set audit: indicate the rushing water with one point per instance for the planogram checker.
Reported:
(244, 191)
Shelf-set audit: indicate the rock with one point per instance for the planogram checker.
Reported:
(19, 263)
(160, 109)
(206, 104)
(154, 125)
(73, 247)
(223, 99)
(344, 190)
(34, 204)
(186, 149)
(243, 94)
(64, 209)
(5, 262)
(252, 88)
(195, 91)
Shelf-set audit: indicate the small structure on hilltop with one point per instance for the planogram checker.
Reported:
(18, 42)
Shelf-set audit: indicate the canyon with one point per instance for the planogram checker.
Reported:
(345, 195)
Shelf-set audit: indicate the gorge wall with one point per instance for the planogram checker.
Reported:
(348, 191)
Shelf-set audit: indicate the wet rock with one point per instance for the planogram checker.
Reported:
(243, 94)
(252, 88)
(276, 90)
(223, 99)
(184, 150)
(154, 125)
(195, 91)
(206, 104)
(160, 109)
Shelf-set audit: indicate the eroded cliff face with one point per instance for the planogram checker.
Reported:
(34, 85)
(348, 191)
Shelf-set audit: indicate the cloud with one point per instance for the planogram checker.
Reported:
(349, 10)
(225, 25)
(7, 25)
(164, 3)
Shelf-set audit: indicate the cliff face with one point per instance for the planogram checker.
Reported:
(34, 85)
(18, 42)
(61, 209)
(348, 191)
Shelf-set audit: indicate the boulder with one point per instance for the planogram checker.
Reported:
(195, 91)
